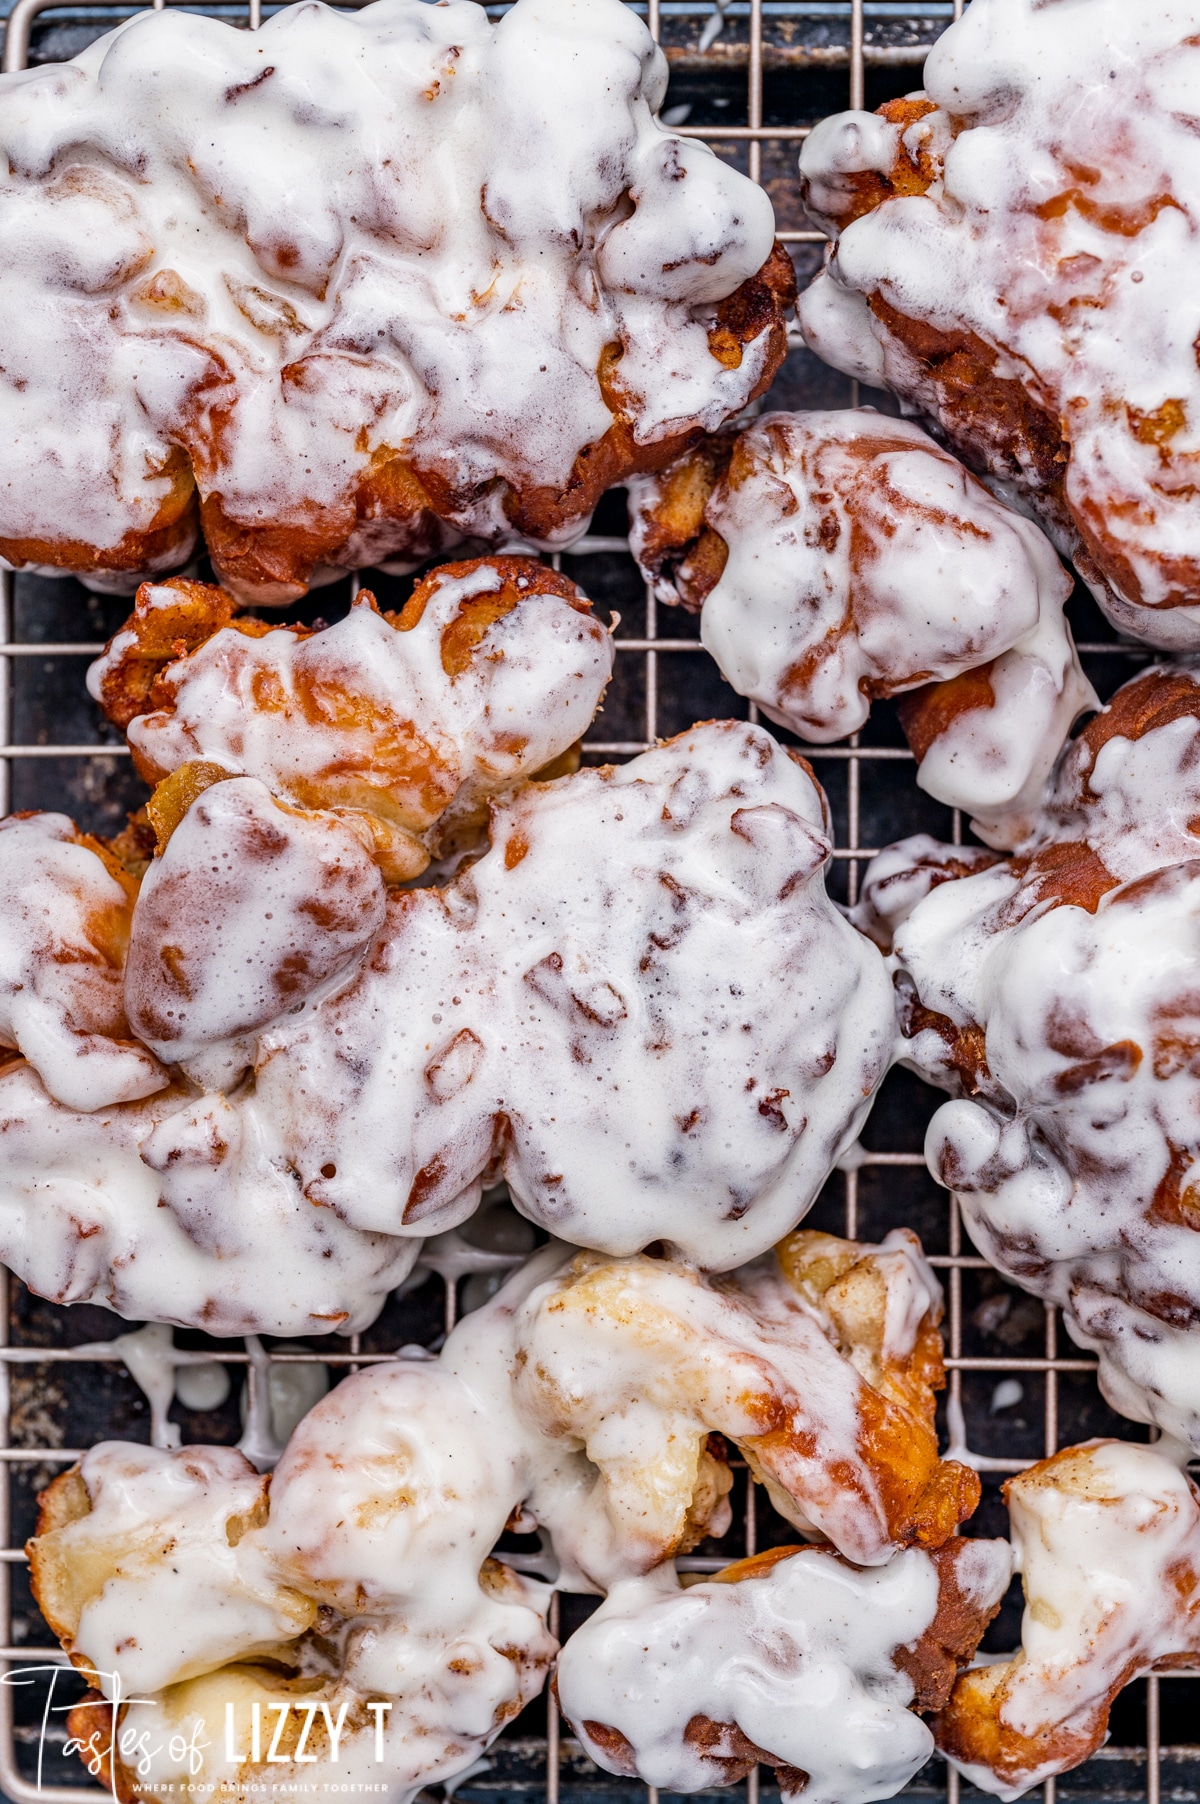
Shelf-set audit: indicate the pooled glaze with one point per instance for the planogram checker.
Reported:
(578, 1006)
(1107, 1537)
(1015, 258)
(364, 1577)
(461, 293)
(1055, 993)
(405, 723)
(804, 1662)
(845, 556)
(66, 909)
(819, 1363)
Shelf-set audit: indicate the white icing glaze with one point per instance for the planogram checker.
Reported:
(1044, 220)
(174, 1209)
(570, 1402)
(1065, 980)
(579, 1001)
(611, 1374)
(425, 264)
(912, 1290)
(800, 1659)
(381, 1515)
(1135, 798)
(284, 1393)
(1107, 1537)
(66, 928)
(863, 560)
(362, 716)
(421, 1442)
(251, 908)
(188, 1588)
(291, 1391)
(155, 1364)
(578, 1004)
(902, 875)
(1087, 1027)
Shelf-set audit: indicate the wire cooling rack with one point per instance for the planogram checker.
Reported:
(751, 77)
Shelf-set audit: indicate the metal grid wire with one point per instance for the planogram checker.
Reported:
(783, 64)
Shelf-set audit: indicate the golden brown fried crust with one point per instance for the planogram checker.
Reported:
(866, 189)
(757, 306)
(167, 540)
(970, 1726)
(91, 1725)
(134, 846)
(926, 713)
(617, 1747)
(273, 562)
(995, 424)
(1148, 702)
(63, 1502)
(733, 1754)
(161, 635)
(175, 794)
(990, 420)
(676, 542)
(970, 1729)
(966, 1047)
(1068, 874)
(520, 577)
(924, 1497)
(1175, 1202)
(714, 1481)
(846, 1279)
(1063, 875)
(934, 1661)
(277, 561)
(396, 785)
(754, 1566)
(723, 1745)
